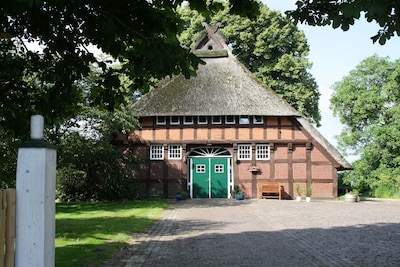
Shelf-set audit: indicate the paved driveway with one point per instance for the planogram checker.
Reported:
(219, 232)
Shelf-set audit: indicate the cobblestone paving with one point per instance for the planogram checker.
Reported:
(219, 232)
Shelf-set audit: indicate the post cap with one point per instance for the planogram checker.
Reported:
(37, 125)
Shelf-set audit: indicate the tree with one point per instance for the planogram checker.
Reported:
(89, 166)
(271, 47)
(367, 102)
(141, 35)
(343, 14)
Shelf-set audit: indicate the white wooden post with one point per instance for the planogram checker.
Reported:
(35, 207)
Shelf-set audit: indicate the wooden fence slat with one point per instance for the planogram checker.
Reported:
(7, 227)
(10, 225)
(3, 215)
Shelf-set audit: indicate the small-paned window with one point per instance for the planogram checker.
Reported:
(156, 152)
(262, 151)
(202, 120)
(230, 119)
(175, 152)
(175, 120)
(244, 152)
(200, 168)
(258, 119)
(216, 120)
(188, 120)
(161, 120)
(244, 119)
(218, 168)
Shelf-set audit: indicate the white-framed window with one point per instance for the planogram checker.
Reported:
(244, 152)
(219, 168)
(262, 151)
(161, 120)
(258, 119)
(230, 119)
(175, 120)
(200, 168)
(244, 119)
(216, 120)
(202, 119)
(188, 120)
(174, 151)
(156, 152)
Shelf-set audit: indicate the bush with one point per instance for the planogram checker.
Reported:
(387, 185)
(94, 170)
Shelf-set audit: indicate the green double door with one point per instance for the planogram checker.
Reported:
(210, 177)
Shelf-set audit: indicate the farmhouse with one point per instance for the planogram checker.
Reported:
(223, 128)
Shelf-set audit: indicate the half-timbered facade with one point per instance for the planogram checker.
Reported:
(224, 128)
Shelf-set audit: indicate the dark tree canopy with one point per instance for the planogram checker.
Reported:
(344, 13)
(141, 35)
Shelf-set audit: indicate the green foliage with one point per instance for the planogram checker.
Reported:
(237, 189)
(299, 190)
(89, 166)
(88, 233)
(50, 41)
(309, 189)
(344, 13)
(271, 47)
(8, 161)
(387, 184)
(368, 104)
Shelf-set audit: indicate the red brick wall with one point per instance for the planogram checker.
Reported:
(289, 166)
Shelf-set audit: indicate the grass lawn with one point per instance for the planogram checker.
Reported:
(87, 233)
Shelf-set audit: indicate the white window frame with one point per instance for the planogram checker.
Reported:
(228, 121)
(201, 168)
(216, 120)
(255, 121)
(244, 152)
(202, 122)
(175, 122)
(161, 120)
(262, 152)
(174, 151)
(156, 152)
(244, 119)
(188, 120)
(219, 168)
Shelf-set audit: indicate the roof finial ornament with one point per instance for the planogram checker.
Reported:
(211, 30)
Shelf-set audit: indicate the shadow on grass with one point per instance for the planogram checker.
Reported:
(87, 233)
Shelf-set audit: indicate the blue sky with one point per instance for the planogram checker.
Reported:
(334, 54)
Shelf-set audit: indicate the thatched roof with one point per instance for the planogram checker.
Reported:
(223, 86)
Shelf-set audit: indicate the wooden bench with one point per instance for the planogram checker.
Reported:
(270, 190)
